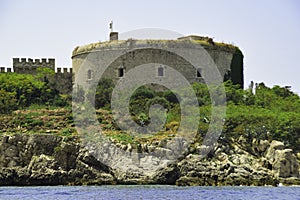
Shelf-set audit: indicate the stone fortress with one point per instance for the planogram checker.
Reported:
(228, 59)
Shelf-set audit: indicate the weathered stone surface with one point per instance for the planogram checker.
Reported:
(167, 175)
(262, 146)
(284, 163)
(47, 160)
(53, 160)
(228, 60)
(61, 81)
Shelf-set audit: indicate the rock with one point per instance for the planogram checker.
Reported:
(224, 169)
(298, 156)
(91, 161)
(12, 163)
(292, 181)
(167, 175)
(7, 176)
(131, 176)
(53, 160)
(263, 145)
(283, 162)
(66, 154)
(222, 157)
(190, 181)
(43, 159)
(42, 162)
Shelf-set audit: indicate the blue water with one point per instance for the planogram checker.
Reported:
(148, 192)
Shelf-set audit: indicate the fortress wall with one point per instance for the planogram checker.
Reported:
(229, 62)
(222, 59)
(228, 59)
(29, 66)
(5, 69)
(62, 79)
(77, 61)
(64, 82)
(237, 72)
(63, 70)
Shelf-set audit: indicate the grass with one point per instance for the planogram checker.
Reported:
(38, 121)
(40, 107)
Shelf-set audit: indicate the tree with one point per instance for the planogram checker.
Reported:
(7, 101)
(103, 93)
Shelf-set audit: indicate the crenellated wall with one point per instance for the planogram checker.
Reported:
(64, 70)
(29, 65)
(228, 58)
(5, 69)
(62, 79)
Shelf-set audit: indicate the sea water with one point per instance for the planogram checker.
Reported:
(148, 192)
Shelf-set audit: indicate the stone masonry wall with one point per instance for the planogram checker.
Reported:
(29, 66)
(62, 78)
(228, 61)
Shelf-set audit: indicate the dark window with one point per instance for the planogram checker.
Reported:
(160, 71)
(121, 72)
(199, 72)
(89, 74)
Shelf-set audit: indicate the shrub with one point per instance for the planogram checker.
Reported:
(7, 101)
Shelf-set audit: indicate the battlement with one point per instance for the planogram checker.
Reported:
(5, 69)
(64, 70)
(30, 61)
(29, 65)
(63, 75)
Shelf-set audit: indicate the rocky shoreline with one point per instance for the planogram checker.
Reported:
(45, 159)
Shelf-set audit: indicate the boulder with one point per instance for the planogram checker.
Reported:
(262, 146)
(167, 175)
(283, 162)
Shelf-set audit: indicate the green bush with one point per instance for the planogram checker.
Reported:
(26, 90)
(7, 101)
(103, 93)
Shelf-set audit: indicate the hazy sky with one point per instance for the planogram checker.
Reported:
(267, 32)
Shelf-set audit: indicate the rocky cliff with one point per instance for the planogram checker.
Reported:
(44, 159)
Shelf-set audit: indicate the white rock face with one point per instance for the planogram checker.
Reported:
(284, 162)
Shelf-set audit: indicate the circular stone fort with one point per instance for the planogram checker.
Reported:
(228, 58)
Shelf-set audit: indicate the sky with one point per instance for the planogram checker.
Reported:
(267, 31)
